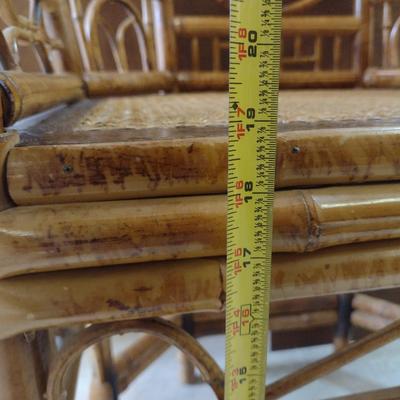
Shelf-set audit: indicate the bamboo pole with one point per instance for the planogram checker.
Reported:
(28, 94)
(369, 322)
(22, 371)
(137, 358)
(376, 306)
(45, 300)
(382, 394)
(172, 167)
(69, 236)
(103, 84)
(7, 142)
(320, 368)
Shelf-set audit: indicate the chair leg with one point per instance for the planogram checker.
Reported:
(104, 384)
(23, 368)
(344, 321)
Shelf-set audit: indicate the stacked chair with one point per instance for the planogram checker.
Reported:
(113, 190)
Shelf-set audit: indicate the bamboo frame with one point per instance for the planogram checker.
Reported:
(313, 371)
(172, 167)
(215, 29)
(34, 30)
(7, 142)
(383, 394)
(138, 231)
(101, 295)
(28, 94)
(21, 371)
(167, 331)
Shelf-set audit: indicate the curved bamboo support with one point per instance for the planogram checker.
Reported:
(7, 61)
(39, 301)
(342, 357)
(70, 236)
(90, 24)
(210, 371)
(28, 94)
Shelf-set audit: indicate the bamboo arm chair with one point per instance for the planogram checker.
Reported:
(65, 284)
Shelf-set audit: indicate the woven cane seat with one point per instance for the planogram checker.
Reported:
(175, 116)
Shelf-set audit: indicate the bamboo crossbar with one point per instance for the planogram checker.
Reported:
(327, 25)
(342, 357)
(172, 167)
(69, 236)
(382, 394)
(210, 26)
(375, 306)
(27, 94)
(102, 84)
(369, 322)
(202, 26)
(65, 298)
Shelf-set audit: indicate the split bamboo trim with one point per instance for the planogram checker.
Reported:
(28, 94)
(69, 236)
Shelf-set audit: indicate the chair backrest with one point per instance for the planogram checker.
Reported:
(385, 33)
(318, 49)
(124, 34)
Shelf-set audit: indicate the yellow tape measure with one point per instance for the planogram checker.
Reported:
(255, 35)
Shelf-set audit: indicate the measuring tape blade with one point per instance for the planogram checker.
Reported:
(255, 35)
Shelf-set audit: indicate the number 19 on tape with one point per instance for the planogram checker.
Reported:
(255, 33)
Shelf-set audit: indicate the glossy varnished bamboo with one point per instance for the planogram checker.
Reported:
(7, 141)
(28, 94)
(103, 84)
(166, 166)
(128, 292)
(70, 236)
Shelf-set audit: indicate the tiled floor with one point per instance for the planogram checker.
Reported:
(162, 381)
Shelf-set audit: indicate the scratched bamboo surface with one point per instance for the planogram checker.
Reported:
(68, 236)
(7, 141)
(164, 149)
(31, 302)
